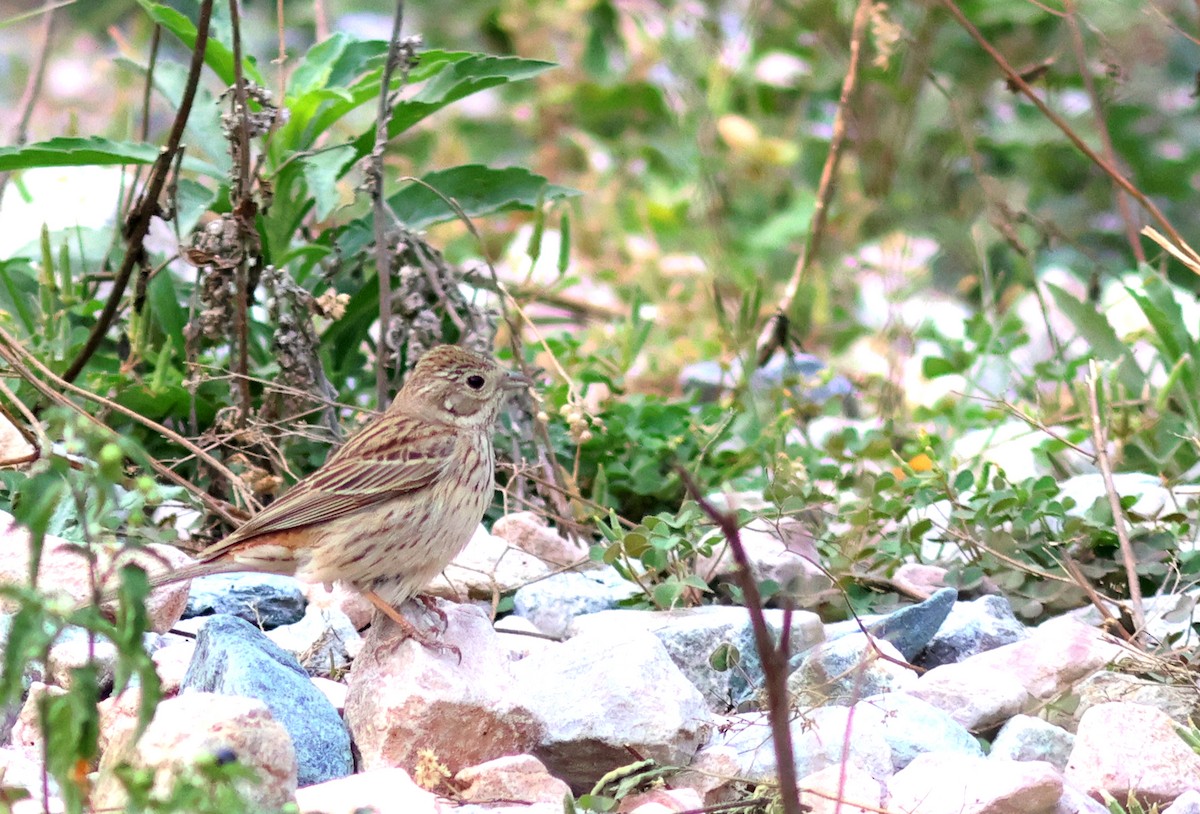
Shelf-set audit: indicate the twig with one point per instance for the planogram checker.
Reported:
(827, 184)
(1131, 227)
(138, 223)
(244, 215)
(33, 86)
(1114, 500)
(774, 657)
(383, 255)
(1017, 81)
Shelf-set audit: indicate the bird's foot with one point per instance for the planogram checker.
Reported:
(409, 631)
(430, 604)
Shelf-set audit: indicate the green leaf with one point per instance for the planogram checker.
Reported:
(94, 151)
(321, 172)
(315, 68)
(477, 190)
(667, 594)
(217, 55)
(1099, 334)
(934, 366)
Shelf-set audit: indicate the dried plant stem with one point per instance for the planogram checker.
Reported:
(1019, 82)
(33, 86)
(1089, 84)
(138, 222)
(774, 657)
(29, 368)
(1114, 500)
(827, 184)
(383, 254)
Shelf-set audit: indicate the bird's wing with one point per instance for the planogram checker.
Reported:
(372, 467)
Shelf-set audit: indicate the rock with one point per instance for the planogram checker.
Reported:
(387, 790)
(513, 630)
(14, 449)
(1179, 702)
(912, 727)
(528, 532)
(819, 740)
(710, 773)
(171, 662)
(691, 635)
(939, 783)
(1050, 661)
(235, 658)
(847, 669)
(782, 551)
(911, 628)
(976, 696)
(1186, 803)
(27, 730)
(971, 628)
(1026, 738)
(589, 693)
(404, 698)
(72, 650)
(517, 778)
(334, 691)
(1014, 446)
(1132, 749)
(486, 567)
(63, 569)
(552, 603)
(357, 607)
(660, 801)
(1151, 496)
(919, 580)
(324, 641)
(264, 600)
(21, 770)
(203, 726)
(834, 790)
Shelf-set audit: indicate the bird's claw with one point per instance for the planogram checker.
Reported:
(430, 605)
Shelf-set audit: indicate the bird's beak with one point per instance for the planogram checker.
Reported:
(517, 381)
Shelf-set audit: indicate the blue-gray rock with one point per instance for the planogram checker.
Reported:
(233, 657)
(1024, 737)
(846, 670)
(972, 627)
(552, 603)
(264, 600)
(796, 371)
(1186, 803)
(912, 727)
(910, 629)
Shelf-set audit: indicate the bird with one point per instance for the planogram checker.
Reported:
(389, 510)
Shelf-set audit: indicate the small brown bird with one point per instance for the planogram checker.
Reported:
(389, 510)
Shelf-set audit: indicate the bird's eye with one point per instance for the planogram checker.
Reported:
(475, 382)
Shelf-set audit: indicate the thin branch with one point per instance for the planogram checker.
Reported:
(1017, 81)
(827, 184)
(33, 86)
(138, 223)
(383, 255)
(1089, 84)
(1114, 500)
(244, 212)
(774, 657)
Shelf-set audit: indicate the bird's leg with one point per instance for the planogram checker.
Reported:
(430, 604)
(407, 629)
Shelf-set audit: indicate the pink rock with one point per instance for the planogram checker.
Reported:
(666, 801)
(335, 691)
(976, 696)
(27, 730)
(339, 597)
(196, 726)
(844, 790)
(948, 783)
(1053, 658)
(530, 533)
(516, 778)
(385, 791)
(24, 771)
(118, 716)
(781, 551)
(488, 566)
(171, 662)
(1122, 748)
(14, 449)
(710, 773)
(63, 569)
(404, 697)
(919, 580)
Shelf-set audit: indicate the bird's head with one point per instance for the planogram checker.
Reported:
(458, 387)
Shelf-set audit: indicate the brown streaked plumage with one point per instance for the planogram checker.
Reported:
(390, 509)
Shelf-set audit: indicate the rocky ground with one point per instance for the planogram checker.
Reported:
(944, 706)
